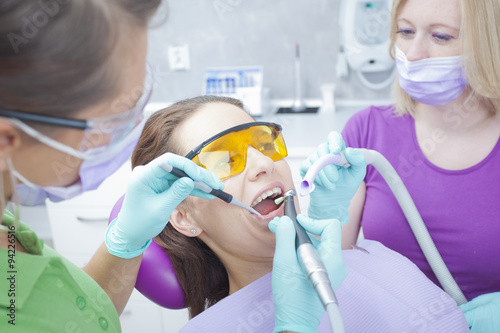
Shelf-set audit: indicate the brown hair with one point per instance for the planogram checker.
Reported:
(54, 54)
(201, 274)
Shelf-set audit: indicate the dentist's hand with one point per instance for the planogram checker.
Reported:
(152, 195)
(297, 306)
(483, 313)
(335, 186)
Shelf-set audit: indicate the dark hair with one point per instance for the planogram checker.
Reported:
(201, 274)
(54, 54)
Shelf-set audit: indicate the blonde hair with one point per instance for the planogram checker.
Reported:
(480, 37)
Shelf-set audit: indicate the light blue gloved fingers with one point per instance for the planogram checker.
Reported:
(483, 313)
(336, 143)
(358, 163)
(142, 217)
(152, 179)
(152, 195)
(172, 197)
(189, 167)
(335, 185)
(284, 230)
(285, 264)
(300, 310)
(329, 175)
(330, 246)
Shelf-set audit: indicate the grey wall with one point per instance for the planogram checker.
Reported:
(251, 32)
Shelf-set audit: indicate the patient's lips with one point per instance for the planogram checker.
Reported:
(265, 204)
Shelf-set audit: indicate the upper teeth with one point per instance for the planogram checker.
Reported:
(273, 192)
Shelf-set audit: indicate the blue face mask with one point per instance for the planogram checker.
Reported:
(431, 81)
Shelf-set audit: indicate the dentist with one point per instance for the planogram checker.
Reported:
(73, 86)
(442, 137)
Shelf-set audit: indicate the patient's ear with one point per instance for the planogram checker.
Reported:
(182, 222)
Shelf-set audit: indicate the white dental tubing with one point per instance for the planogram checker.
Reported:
(404, 199)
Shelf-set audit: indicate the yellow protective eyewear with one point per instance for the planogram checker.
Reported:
(225, 154)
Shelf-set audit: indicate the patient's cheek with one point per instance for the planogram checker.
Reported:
(202, 207)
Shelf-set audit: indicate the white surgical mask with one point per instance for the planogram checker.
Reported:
(431, 81)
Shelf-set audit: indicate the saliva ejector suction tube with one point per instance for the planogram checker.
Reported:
(313, 267)
(406, 203)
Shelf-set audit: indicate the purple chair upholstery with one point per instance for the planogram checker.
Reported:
(156, 278)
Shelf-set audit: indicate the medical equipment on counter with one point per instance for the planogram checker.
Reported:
(313, 267)
(364, 40)
(298, 105)
(243, 83)
(224, 196)
(404, 199)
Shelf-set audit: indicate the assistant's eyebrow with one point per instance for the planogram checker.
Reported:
(404, 20)
(432, 25)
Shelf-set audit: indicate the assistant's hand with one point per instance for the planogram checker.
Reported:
(335, 186)
(297, 306)
(483, 313)
(152, 195)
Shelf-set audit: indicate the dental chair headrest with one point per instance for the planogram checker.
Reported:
(156, 278)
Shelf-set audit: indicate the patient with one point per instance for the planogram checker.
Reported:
(223, 255)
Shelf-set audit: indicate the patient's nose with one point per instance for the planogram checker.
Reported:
(258, 163)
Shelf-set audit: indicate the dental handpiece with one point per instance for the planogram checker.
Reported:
(308, 257)
(224, 196)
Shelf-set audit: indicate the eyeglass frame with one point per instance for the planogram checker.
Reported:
(196, 150)
(78, 124)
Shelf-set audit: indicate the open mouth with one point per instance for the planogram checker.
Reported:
(265, 203)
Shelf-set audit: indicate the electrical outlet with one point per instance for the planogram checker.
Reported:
(178, 57)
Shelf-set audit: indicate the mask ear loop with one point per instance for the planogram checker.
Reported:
(14, 197)
(3, 205)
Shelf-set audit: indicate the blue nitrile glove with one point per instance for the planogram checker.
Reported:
(152, 195)
(483, 313)
(297, 307)
(335, 186)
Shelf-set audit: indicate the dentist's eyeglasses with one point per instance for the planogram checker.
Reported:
(113, 127)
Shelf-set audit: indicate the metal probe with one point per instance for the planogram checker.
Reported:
(224, 196)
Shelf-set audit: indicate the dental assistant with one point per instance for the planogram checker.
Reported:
(73, 86)
(442, 137)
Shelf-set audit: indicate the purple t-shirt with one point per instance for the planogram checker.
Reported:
(461, 209)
